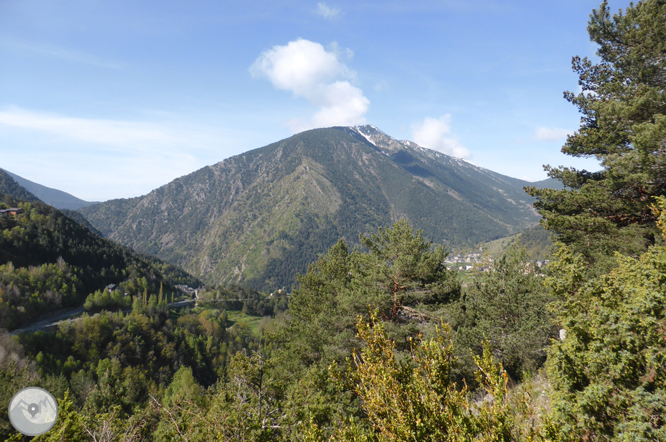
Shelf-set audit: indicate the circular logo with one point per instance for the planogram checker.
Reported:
(33, 411)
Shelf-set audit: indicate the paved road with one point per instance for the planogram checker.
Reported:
(47, 322)
(63, 315)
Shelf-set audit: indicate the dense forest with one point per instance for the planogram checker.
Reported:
(383, 343)
(49, 261)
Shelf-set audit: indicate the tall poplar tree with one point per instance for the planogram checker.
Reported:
(623, 125)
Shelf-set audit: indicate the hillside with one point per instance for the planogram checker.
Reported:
(536, 240)
(49, 261)
(56, 198)
(548, 183)
(260, 217)
(10, 187)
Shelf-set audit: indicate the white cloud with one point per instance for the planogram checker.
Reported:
(308, 70)
(109, 132)
(588, 93)
(434, 133)
(547, 134)
(97, 159)
(325, 11)
(382, 86)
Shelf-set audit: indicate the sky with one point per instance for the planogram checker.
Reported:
(114, 99)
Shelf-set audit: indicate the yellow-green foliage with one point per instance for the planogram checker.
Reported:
(414, 399)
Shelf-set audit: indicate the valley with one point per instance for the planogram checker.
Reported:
(281, 270)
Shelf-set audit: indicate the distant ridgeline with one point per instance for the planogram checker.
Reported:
(48, 261)
(536, 240)
(57, 198)
(10, 187)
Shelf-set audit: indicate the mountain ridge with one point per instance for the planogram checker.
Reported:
(260, 217)
(56, 198)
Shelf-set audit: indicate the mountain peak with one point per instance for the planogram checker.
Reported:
(374, 136)
(368, 130)
(389, 145)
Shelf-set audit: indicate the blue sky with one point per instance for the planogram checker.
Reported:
(113, 99)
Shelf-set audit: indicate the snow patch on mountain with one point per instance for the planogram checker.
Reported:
(367, 137)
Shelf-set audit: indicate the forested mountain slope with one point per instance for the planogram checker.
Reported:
(386, 343)
(10, 187)
(260, 217)
(48, 261)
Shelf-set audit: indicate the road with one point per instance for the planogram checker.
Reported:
(62, 316)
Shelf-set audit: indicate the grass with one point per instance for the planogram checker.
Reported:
(496, 248)
(234, 317)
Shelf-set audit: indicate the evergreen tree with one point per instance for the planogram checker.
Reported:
(402, 265)
(508, 307)
(400, 271)
(609, 372)
(69, 426)
(624, 127)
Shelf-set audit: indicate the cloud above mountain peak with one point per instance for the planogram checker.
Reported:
(312, 72)
(435, 134)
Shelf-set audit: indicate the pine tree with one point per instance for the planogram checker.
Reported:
(69, 426)
(401, 270)
(623, 125)
(402, 265)
(508, 307)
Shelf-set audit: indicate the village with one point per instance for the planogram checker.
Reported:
(478, 261)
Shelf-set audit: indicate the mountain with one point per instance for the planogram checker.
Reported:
(260, 217)
(9, 186)
(548, 183)
(536, 240)
(56, 198)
